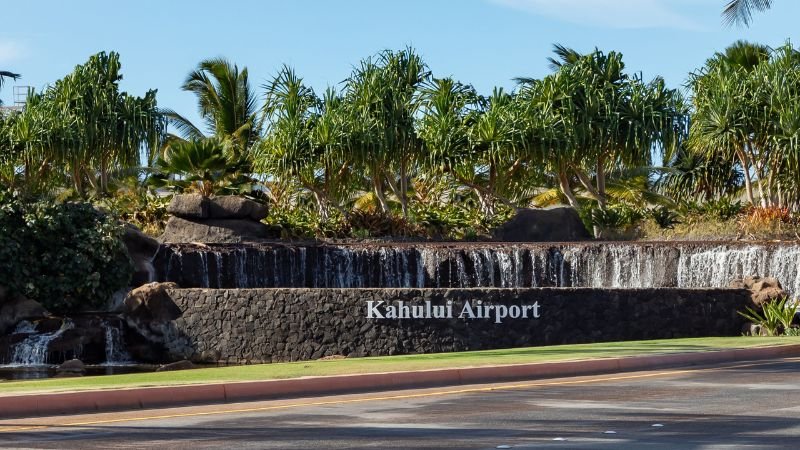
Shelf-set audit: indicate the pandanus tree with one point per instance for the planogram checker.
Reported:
(85, 128)
(303, 139)
(497, 160)
(226, 103)
(381, 95)
(744, 101)
(593, 117)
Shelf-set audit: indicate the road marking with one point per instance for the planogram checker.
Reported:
(19, 428)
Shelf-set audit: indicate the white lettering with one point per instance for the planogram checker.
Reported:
(372, 309)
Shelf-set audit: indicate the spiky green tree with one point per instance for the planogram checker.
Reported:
(381, 96)
(303, 140)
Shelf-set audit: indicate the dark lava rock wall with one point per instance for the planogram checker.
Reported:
(270, 325)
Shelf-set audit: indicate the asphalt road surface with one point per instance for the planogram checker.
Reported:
(748, 405)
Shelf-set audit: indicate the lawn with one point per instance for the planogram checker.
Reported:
(393, 363)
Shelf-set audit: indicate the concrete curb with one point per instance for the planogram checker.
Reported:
(158, 397)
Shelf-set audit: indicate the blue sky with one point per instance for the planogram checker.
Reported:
(483, 42)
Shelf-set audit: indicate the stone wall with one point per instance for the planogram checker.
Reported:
(270, 325)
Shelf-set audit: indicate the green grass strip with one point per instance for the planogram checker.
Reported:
(392, 363)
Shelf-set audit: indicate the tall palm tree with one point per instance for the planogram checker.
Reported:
(226, 102)
(740, 12)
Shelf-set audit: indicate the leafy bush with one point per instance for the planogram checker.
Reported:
(66, 256)
(664, 217)
(723, 208)
(617, 216)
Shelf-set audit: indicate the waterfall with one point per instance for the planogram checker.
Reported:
(115, 346)
(33, 350)
(591, 264)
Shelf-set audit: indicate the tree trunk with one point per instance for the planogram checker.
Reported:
(378, 186)
(563, 184)
(744, 161)
(601, 182)
(404, 188)
(587, 183)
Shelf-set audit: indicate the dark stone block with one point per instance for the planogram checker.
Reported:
(557, 224)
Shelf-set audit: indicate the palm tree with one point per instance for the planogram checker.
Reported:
(6, 74)
(203, 165)
(740, 12)
(226, 104)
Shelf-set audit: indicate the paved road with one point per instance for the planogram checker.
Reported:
(735, 406)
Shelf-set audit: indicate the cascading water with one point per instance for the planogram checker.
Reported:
(115, 346)
(612, 265)
(33, 350)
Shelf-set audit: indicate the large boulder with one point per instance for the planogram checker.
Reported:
(556, 224)
(189, 206)
(16, 308)
(152, 303)
(149, 312)
(141, 248)
(762, 289)
(213, 231)
(235, 207)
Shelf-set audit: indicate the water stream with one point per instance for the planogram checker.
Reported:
(34, 349)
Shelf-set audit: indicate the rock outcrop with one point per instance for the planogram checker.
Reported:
(762, 289)
(219, 220)
(141, 248)
(557, 224)
(151, 303)
(15, 308)
(150, 312)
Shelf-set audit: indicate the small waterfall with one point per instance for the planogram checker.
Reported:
(115, 346)
(33, 350)
(593, 264)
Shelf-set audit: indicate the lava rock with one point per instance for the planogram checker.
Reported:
(557, 224)
(235, 207)
(762, 289)
(152, 303)
(213, 231)
(15, 308)
(72, 366)
(141, 248)
(189, 206)
(178, 365)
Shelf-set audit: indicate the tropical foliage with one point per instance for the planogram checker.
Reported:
(79, 132)
(67, 256)
(396, 150)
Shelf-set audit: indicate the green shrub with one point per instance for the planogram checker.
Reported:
(67, 256)
(664, 217)
(775, 315)
(616, 216)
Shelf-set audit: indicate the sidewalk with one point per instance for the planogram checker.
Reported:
(156, 397)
